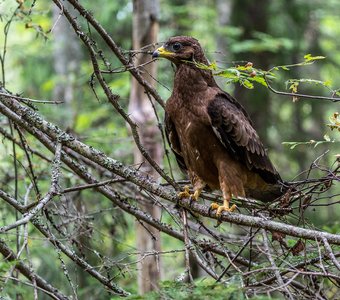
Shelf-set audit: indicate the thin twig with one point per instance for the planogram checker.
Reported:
(113, 46)
(273, 265)
(187, 246)
(55, 173)
(330, 253)
(28, 273)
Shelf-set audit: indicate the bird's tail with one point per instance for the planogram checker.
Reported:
(271, 192)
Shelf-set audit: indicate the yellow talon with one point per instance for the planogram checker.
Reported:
(185, 193)
(224, 207)
(214, 206)
(196, 195)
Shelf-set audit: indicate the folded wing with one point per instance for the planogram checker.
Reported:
(234, 129)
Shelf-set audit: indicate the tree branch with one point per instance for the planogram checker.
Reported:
(113, 46)
(130, 174)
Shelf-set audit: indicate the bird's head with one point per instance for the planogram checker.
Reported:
(181, 49)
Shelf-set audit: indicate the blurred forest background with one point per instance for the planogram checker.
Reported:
(42, 58)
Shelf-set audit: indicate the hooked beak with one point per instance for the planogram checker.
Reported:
(161, 52)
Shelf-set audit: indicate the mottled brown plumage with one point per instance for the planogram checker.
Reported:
(211, 134)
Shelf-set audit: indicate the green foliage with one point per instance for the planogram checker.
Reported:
(332, 228)
(309, 58)
(293, 84)
(310, 143)
(6, 266)
(333, 125)
(262, 42)
(202, 289)
(244, 75)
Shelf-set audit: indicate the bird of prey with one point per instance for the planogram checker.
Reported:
(211, 134)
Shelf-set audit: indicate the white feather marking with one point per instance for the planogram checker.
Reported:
(218, 135)
(197, 153)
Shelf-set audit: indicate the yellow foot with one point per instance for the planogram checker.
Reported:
(186, 193)
(195, 195)
(224, 207)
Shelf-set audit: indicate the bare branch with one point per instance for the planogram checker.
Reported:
(51, 193)
(55, 133)
(113, 46)
(44, 286)
(273, 265)
(81, 171)
(330, 253)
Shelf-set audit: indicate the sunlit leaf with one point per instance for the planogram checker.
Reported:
(260, 80)
(309, 57)
(247, 84)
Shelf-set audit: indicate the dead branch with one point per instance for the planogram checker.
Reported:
(113, 46)
(14, 110)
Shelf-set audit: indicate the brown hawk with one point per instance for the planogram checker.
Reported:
(211, 134)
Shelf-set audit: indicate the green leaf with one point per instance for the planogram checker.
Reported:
(229, 73)
(247, 84)
(259, 79)
(327, 83)
(213, 65)
(309, 57)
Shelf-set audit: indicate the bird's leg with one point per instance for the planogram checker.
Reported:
(186, 194)
(226, 200)
(198, 184)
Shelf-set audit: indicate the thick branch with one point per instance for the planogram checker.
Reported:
(55, 133)
(258, 222)
(80, 170)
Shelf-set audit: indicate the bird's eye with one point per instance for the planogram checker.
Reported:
(176, 46)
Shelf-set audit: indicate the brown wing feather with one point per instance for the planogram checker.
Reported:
(173, 140)
(234, 129)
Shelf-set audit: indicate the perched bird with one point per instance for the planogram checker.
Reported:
(211, 134)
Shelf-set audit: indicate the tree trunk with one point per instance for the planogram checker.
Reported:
(253, 16)
(145, 31)
(223, 8)
(67, 57)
